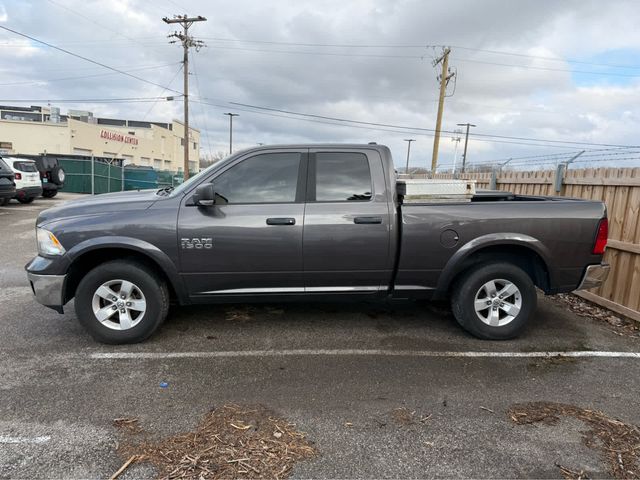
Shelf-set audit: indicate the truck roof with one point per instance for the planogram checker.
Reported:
(370, 146)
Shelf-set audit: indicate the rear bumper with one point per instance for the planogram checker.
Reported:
(28, 192)
(48, 289)
(7, 192)
(594, 276)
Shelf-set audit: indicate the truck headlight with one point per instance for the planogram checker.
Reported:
(48, 244)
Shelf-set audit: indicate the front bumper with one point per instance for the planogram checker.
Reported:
(48, 289)
(594, 276)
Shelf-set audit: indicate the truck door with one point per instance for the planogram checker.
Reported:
(347, 223)
(250, 241)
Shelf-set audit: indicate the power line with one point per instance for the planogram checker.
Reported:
(86, 100)
(89, 19)
(85, 58)
(547, 69)
(372, 127)
(204, 116)
(486, 135)
(418, 45)
(80, 77)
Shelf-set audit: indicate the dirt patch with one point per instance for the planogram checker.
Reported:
(245, 313)
(404, 417)
(549, 362)
(618, 324)
(229, 442)
(128, 425)
(618, 443)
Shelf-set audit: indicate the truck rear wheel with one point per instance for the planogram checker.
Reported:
(121, 302)
(494, 301)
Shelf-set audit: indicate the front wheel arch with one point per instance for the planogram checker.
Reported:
(89, 259)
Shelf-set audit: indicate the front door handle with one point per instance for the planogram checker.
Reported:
(281, 221)
(368, 220)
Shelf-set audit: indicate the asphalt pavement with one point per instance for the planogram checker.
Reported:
(338, 371)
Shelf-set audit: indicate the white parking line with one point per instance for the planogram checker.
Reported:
(17, 440)
(352, 352)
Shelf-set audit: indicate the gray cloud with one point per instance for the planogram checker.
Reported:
(337, 82)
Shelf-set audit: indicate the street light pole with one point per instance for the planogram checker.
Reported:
(408, 140)
(231, 115)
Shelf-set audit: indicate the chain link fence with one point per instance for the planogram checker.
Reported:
(98, 175)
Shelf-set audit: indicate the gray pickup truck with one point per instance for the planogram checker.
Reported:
(305, 222)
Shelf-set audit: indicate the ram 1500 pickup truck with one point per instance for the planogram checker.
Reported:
(305, 222)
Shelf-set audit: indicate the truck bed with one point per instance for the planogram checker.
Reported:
(560, 231)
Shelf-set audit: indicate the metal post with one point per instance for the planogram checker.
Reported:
(561, 169)
(122, 178)
(466, 140)
(408, 140)
(231, 115)
(493, 184)
(93, 176)
(108, 177)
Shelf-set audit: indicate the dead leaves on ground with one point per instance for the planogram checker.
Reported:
(230, 442)
(617, 442)
(618, 324)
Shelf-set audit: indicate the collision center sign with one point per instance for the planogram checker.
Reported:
(118, 137)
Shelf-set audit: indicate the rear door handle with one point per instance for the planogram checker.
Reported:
(367, 220)
(281, 221)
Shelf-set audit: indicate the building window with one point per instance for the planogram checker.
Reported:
(145, 161)
(22, 116)
(195, 146)
(157, 163)
(182, 142)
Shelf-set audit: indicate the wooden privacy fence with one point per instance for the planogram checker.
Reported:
(619, 188)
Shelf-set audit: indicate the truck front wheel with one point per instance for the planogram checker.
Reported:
(121, 302)
(494, 301)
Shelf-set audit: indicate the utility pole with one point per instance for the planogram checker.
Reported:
(444, 80)
(231, 115)
(408, 140)
(466, 139)
(187, 42)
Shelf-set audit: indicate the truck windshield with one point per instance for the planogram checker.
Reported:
(195, 178)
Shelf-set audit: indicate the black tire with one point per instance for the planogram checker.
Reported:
(472, 283)
(153, 288)
(57, 175)
(4, 201)
(26, 199)
(49, 193)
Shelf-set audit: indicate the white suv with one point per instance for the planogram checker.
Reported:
(27, 178)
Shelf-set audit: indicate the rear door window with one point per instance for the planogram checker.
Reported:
(342, 177)
(25, 166)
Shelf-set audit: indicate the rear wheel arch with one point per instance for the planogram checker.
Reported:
(519, 255)
(83, 263)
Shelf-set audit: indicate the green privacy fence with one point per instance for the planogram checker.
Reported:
(103, 175)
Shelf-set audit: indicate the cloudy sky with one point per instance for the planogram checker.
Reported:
(536, 77)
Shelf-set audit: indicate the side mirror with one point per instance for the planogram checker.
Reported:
(205, 196)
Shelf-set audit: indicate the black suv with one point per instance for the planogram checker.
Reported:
(51, 174)
(7, 185)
